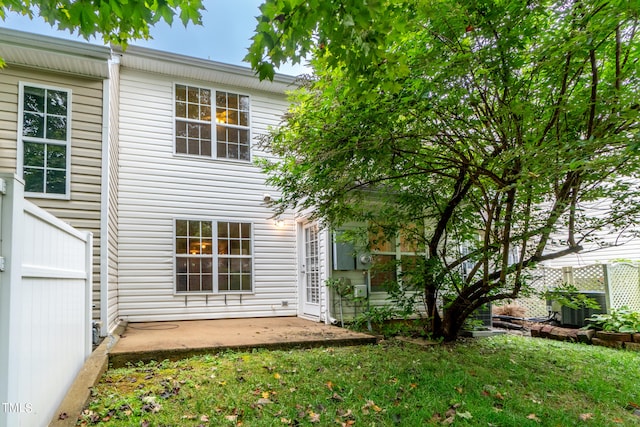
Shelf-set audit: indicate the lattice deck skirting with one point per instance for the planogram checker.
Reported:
(620, 282)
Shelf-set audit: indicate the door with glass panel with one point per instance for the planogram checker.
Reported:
(310, 271)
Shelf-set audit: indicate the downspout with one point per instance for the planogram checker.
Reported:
(328, 266)
(104, 210)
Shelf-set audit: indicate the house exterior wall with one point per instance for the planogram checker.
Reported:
(82, 210)
(629, 251)
(156, 187)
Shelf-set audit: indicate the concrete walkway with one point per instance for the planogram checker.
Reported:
(174, 340)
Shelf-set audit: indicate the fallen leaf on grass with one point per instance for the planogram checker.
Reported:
(466, 415)
(586, 417)
(370, 405)
(313, 417)
(263, 401)
(533, 417)
(232, 418)
(337, 398)
(449, 420)
(345, 414)
(204, 419)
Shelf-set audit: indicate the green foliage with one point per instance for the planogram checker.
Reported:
(569, 296)
(341, 287)
(118, 21)
(618, 320)
(499, 381)
(489, 126)
(376, 317)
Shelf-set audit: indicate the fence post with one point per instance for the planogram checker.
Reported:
(89, 295)
(12, 206)
(607, 285)
(567, 275)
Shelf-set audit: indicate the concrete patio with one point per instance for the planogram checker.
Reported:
(173, 340)
(142, 342)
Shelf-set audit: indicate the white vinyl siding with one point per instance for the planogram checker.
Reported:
(82, 208)
(156, 187)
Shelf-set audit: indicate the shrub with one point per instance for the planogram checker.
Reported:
(619, 320)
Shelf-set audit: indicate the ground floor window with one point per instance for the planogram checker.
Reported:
(201, 269)
(393, 256)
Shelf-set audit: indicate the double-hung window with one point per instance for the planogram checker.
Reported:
(199, 110)
(199, 268)
(45, 140)
(393, 256)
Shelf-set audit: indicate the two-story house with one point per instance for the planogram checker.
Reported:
(155, 154)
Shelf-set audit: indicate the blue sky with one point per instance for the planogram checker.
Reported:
(224, 36)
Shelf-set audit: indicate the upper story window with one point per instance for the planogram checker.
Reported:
(45, 140)
(194, 121)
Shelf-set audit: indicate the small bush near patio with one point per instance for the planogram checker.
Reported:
(499, 381)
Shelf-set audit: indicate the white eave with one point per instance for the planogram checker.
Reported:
(191, 68)
(54, 54)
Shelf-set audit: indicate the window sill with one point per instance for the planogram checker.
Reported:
(47, 196)
(213, 159)
(219, 293)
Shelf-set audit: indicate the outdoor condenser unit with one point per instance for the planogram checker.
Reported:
(575, 317)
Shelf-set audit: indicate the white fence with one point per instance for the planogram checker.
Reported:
(45, 308)
(620, 283)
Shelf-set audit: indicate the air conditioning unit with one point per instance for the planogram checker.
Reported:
(575, 317)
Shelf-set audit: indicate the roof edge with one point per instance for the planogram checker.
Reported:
(176, 58)
(54, 44)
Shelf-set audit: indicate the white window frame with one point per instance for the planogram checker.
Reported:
(397, 253)
(22, 139)
(215, 257)
(213, 124)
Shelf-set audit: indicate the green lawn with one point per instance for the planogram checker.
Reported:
(500, 381)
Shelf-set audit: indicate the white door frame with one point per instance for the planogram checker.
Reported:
(309, 271)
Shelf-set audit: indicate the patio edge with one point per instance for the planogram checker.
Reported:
(119, 360)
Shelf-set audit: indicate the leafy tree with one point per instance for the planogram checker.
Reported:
(118, 21)
(499, 127)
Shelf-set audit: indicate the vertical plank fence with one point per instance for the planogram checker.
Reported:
(45, 307)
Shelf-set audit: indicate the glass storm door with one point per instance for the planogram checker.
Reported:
(310, 271)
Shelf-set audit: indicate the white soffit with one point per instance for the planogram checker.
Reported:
(186, 67)
(54, 54)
